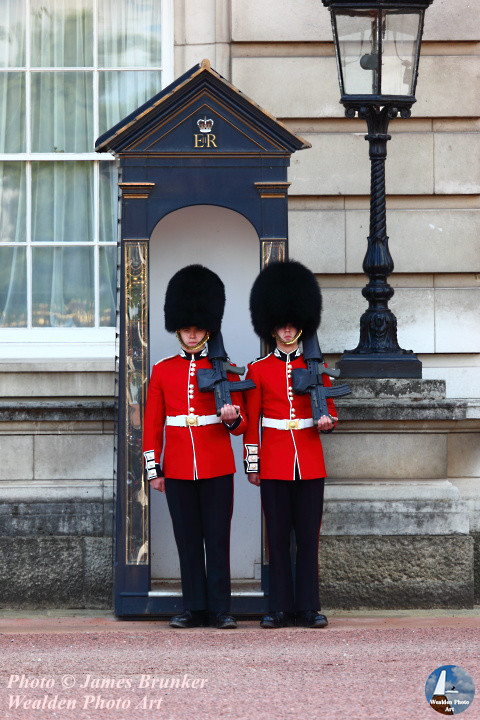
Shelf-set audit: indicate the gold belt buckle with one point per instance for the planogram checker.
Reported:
(191, 420)
(292, 424)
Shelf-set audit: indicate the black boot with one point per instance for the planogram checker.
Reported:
(277, 619)
(222, 621)
(311, 619)
(189, 619)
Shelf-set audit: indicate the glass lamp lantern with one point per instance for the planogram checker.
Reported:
(377, 45)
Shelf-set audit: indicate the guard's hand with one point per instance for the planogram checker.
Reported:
(229, 413)
(254, 478)
(326, 423)
(158, 483)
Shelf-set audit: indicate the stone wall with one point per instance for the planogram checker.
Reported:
(402, 502)
(56, 484)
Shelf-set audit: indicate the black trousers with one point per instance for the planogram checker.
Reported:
(296, 505)
(201, 512)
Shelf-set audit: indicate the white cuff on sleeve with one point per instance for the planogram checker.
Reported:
(149, 456)
(251, 459)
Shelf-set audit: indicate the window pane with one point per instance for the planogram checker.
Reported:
(12, 33)
(399, 46)
(12, 202)
(120, 93)
(108, 285)
(358, 35)
(12, 112)
(62, 112)
(13, 287)
(130, 33)
(63, 287)
(108, 202)
(62, 202)
(62, 33)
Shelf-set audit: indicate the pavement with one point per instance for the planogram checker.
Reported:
(370, 665)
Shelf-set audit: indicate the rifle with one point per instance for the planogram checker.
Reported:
(215, 380)
(309, 380)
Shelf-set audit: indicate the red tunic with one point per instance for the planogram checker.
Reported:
(280, 450)
(189, 452)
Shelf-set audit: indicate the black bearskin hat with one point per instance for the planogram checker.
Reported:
(195, 296)
(285, 293)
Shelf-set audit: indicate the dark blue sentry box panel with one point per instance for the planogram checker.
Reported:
(200, 141)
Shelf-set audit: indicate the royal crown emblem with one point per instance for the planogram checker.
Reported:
(205, 124)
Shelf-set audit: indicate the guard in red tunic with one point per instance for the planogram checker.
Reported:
(198, 465)
(287, 462)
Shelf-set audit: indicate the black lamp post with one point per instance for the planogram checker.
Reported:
(377, 43)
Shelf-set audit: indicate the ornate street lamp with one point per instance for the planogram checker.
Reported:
(377, 44)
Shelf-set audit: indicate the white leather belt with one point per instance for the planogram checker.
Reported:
(192, 420)
(299, 424)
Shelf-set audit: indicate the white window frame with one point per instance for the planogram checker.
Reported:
(93, 342)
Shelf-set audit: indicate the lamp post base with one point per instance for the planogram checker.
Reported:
(380, 365)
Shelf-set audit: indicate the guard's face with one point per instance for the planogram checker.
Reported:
(191, 336)
(286, 333)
